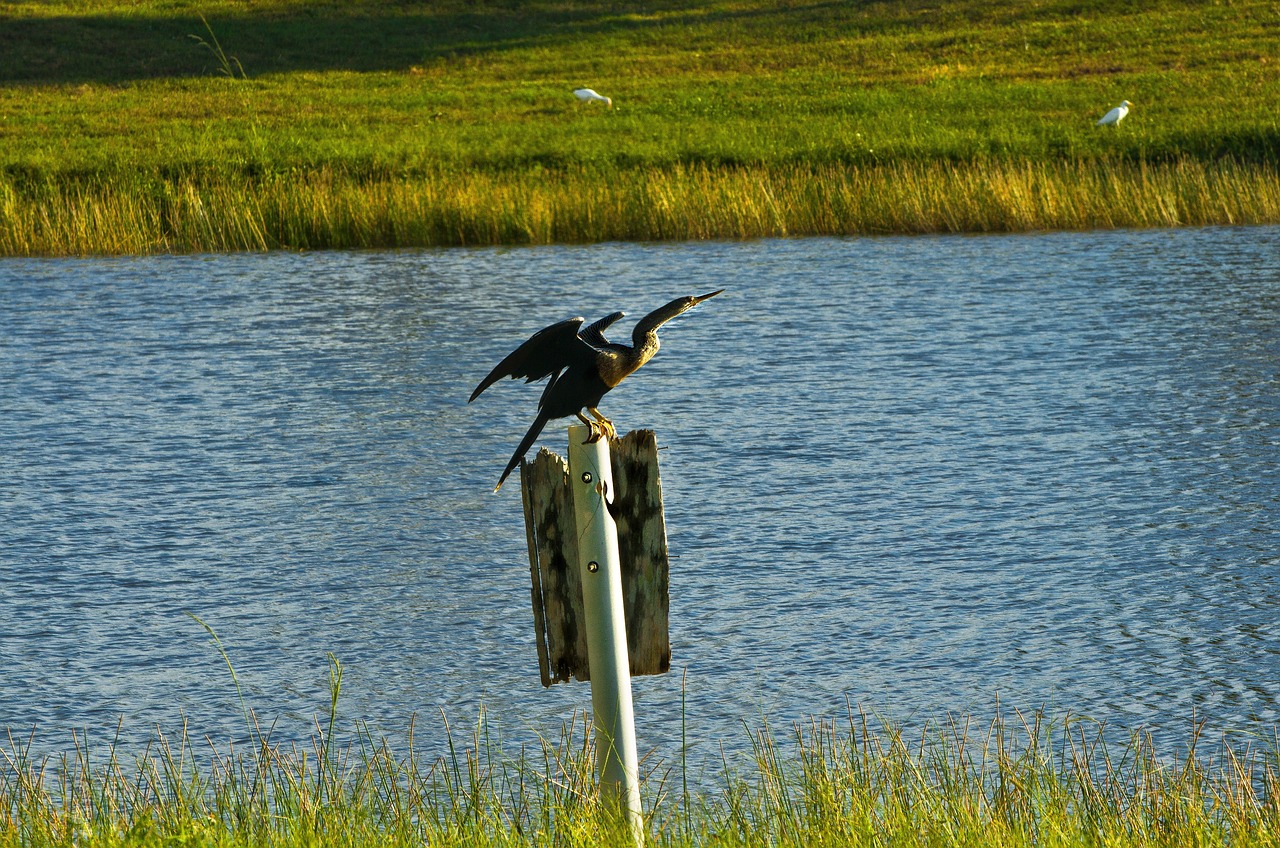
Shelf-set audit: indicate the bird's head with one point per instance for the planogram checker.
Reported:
(1126, 104)
(684, 304)
(692, 301)
(665, 313)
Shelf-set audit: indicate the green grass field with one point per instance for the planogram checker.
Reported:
(160, 125)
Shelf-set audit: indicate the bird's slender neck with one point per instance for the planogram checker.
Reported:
(624, 360)
(644, 338)
(644, 344)
(647, 327)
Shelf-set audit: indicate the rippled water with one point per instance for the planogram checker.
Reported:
(920, 474)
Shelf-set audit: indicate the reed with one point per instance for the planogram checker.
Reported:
(328, 209)
(1015, 781)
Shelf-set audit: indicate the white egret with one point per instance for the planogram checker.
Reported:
(1116, 115)
(586, 95)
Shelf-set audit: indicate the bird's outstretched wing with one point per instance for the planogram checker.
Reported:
(594, 334)
(546, 352)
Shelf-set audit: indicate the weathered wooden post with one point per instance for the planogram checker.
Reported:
(600, 570)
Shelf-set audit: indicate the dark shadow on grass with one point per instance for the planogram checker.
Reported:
(286, 35)
(114, 49)
(358, 37)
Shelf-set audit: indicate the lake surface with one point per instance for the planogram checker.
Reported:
(924, 475)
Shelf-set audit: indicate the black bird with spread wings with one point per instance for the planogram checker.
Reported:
(583, 366)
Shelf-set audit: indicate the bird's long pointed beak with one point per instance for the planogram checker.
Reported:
(701, 298)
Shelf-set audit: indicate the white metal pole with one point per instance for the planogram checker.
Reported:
(613, 716)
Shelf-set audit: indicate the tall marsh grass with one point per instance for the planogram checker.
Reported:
(1018, 782)
(329, 209)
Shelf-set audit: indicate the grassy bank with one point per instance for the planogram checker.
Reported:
(854, 782)
(129, 127)
(324, 209)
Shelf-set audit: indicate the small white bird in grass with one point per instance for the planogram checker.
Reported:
(586, 95)
(1116, 115)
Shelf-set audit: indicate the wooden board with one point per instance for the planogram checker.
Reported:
(553, 559)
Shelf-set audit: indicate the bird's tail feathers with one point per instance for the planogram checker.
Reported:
(527, 442)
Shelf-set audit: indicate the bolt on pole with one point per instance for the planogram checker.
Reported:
(613, 716)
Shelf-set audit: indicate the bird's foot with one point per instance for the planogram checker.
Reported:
(598, 431)
(599, 428)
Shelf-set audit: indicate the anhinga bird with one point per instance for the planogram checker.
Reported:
(583, 366)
